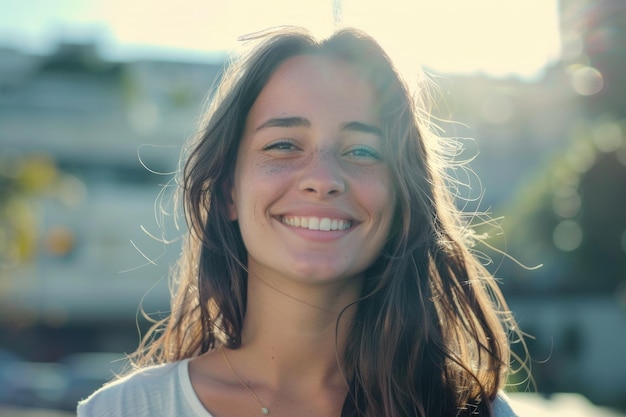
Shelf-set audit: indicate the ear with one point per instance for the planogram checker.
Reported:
(228, 193)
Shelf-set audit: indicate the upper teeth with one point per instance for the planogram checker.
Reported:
(317, 223)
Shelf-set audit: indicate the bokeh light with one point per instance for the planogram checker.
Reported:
(568, 235)
(566, 202)
(586, 80)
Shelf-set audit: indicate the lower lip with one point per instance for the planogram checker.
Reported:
(318, 235)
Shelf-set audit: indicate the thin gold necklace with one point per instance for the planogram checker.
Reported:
(264, 409)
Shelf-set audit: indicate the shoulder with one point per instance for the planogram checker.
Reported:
(501, 406)
(135, 394)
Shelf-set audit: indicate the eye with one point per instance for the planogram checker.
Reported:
(364, 151)
(283, 145)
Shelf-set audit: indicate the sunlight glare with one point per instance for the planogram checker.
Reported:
(491, 36)
(495, 37)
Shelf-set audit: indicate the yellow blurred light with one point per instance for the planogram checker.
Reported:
(21, 231)
(608, 136)
(582, 157)
(39, 172)
(567, 235)
(566, 204)
(564, 177)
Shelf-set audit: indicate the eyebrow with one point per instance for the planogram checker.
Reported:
(284, 122)
(295, 121)
(362, 127)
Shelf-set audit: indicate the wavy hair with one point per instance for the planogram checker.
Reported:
(430, 333)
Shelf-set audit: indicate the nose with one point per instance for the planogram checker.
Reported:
(322, 176)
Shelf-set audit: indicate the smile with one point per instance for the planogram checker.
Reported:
(316, 223)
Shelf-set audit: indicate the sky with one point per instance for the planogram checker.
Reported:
(496, 37)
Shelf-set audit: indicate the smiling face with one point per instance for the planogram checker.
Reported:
(312, 191)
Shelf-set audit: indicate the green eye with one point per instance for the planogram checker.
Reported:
(364, 151)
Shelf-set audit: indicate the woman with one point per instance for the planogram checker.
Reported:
(326, 271)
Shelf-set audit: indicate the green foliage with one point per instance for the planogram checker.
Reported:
(570, 214)
(22, 180)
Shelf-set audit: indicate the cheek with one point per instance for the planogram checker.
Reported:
(375, 187)
(257, 185)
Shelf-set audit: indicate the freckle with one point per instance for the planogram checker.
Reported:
(269, 168)
(326, 153)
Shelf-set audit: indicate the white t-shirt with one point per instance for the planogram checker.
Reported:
(161, 390)
(165, 391)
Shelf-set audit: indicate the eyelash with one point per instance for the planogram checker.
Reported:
(281, 145)
(371, 152)
(289, 145)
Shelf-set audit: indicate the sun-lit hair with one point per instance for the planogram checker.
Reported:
(430, 333)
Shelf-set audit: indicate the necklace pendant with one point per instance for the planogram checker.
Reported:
(265, 411)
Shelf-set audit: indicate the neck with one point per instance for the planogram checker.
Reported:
(297, 332)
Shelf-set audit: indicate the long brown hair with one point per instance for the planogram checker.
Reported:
(429, 337)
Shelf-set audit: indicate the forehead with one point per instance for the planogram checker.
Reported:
(321, 68)
(308, 83)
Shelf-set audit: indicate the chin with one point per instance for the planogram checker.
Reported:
(315, 274)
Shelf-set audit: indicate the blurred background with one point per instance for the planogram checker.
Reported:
(97, 98)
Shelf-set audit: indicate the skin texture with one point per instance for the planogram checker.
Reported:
(324, 166)
(311, 147)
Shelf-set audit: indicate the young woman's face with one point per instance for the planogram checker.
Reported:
(312, 191)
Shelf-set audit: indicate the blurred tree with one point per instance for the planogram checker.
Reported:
(571, 218)
(21, 180)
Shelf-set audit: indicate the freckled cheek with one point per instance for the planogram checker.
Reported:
(272, 176)
(260, 186)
